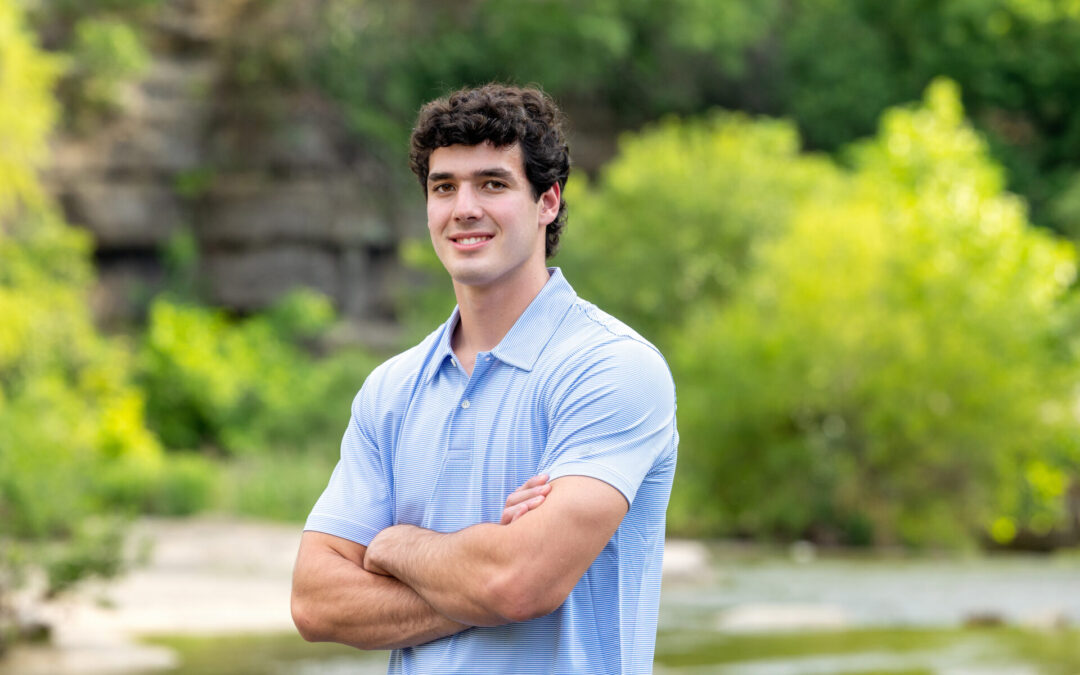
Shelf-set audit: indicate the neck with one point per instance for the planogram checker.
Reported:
(487, 313)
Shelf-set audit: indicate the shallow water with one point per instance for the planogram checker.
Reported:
(754, 612)
(875, 591)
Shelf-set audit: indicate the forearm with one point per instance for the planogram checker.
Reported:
(336, 600)
(487, 574)
(469, 575)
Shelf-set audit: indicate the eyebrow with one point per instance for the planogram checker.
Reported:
(494, 172)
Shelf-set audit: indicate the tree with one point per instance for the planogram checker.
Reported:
(673, 221)
(72, 436)
(893, 369)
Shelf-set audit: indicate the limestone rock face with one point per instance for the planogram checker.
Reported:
(125, 214)
(275, 192)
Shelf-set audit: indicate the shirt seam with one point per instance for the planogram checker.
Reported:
(624, 486)
(319, 515)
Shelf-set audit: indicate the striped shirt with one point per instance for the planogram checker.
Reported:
(568, 391)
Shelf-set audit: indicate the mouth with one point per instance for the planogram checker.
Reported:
(471, 240)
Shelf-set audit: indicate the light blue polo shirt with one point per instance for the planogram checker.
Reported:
(569, 391)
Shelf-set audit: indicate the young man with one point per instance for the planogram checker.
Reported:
(499, 504)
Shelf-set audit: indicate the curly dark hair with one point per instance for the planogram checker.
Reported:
(502, 115)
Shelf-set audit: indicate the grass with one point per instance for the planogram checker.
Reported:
(274, 486)
(882, 651)
(264, 654)
(857, 652)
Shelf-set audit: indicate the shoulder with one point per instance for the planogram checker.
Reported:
(398, 375)
(591, 337)
(593, 346)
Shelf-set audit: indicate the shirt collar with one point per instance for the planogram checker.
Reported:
(442, 350)
(523, 343)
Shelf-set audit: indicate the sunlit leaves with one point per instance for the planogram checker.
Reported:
(68, 409)
(872, 353)
(677, 214)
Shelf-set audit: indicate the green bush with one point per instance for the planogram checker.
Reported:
(68, 409)
(178, 484)
(102, 47)
(242, 386)
(92, 550)
(1014, 60)
(254, 394)
(877, 353)
(625, 62)
(620, 65)
(279, 485)
(892, 369)
(106, 54)
(675, 218)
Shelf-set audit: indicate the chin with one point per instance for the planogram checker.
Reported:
(472, 278)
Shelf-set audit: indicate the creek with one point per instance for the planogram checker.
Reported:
(756, 612)
(214, 600)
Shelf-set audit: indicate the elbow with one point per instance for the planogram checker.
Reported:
(306, 621)
(525, 607)
(314, 626)
(517, 600)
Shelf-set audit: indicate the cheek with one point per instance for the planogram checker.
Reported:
(435, 217)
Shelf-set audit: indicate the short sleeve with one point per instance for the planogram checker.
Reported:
(357, 503)
(613, 416)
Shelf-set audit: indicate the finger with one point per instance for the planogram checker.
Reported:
(539, 479)
(524, 508)
(534, 482)
(521, 495)
(519, 512)
(511, 514)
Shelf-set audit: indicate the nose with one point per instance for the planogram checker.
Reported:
(466, 204)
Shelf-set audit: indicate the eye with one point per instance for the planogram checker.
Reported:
(495, 185)
(442, 188)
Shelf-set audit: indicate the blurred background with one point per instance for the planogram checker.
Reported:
(849, 225)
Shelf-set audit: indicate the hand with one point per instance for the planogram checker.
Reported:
(527, 497)
(371, 555)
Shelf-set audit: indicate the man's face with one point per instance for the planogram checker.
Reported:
(486, 226)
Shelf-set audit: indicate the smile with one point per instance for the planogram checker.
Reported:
(467, 241)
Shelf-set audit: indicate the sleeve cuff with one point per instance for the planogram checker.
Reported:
(338, 527)
(597, 471)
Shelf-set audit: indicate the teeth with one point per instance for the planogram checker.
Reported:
(472, 240)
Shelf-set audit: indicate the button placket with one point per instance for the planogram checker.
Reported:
(456, 464)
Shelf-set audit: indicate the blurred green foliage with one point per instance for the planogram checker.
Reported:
(282, 484)
(1015, 61)
(103, 49)
(885, 364)
(106, 53)
(68, 409)
(618, 65)
(244, 386)
(693, 199)
(626, 61)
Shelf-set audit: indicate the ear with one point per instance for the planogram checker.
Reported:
(549, 204)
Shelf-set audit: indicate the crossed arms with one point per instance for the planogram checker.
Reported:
(412, 585)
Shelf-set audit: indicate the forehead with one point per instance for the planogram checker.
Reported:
(468, 159)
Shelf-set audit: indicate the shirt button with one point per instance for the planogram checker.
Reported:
(465, 404)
